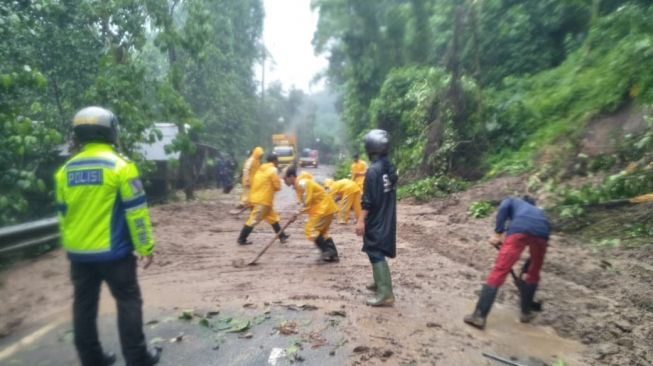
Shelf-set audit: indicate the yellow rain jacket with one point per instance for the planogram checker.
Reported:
(101, 204)
(251, 166)
(265, 184)
(343, 187)
(314, 199)
(359, 168)
(350, 198)
(302, 175)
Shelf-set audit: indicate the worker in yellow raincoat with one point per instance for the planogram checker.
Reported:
(249, 170)
(348, 195)
(358, 170)
(300, 176)
(320, 209)
(265, 184)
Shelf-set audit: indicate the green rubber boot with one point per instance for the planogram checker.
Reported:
(371, 286)
(375, 279)
(384, 295)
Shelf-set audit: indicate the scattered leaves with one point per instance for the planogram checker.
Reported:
(304, 307)
(287, 328)
(67, 336)
(341, 343)
(157, 340)
(187, 314)
(177, 339)
(211, 314)
(292, 352)
(361, 349)
(341, 313)
(261, 318)
(238, 325)
(315, 339)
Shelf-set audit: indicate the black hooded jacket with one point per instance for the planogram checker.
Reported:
(380, 200)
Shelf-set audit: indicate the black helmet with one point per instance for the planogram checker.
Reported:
(290, 171)
(377, 143)
(95, 124)
(272, 158)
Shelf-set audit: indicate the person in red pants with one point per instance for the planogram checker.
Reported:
(528, 227)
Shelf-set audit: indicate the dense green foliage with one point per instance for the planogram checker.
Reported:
(343, 169)
(26, 140)
(609, 71)
(409, 101)
(188, 62)
(480, 88)
(434, 187)
(480, 209)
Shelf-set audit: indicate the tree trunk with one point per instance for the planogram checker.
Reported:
(453, 101)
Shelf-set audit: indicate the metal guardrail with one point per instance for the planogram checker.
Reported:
(28, 234)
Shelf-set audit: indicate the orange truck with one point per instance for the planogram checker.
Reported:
(285, 146)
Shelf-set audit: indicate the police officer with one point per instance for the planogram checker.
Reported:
(103, 219)
(378, 221)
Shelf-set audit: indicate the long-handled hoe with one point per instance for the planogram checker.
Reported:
(238, 211)
(240, 263)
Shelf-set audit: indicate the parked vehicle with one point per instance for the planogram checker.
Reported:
(309, 158)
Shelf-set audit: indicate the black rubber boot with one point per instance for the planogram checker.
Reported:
(331, 251)
(149, 357)
(319, 242)
(527, 292)
(153, 356)
(283, 237)
(109, 358)
(244, 233)
(327, 253)
(483, 306)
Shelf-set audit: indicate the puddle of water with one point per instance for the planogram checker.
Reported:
(515, 339)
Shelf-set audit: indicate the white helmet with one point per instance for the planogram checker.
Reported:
(95, 124)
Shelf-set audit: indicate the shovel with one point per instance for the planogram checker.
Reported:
(238, 211)
(240, 263)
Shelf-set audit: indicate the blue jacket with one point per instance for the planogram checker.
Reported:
(524, 218)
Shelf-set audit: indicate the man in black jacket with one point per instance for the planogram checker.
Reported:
(378, 225)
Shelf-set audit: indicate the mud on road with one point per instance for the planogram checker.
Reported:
(593, 314)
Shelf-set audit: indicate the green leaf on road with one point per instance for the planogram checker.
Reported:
(239, 325)
(157, 340)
